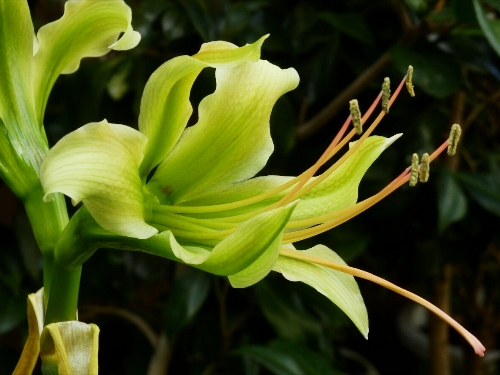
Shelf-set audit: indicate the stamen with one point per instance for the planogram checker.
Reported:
(455, 133)
(341, 216)
(423, 173)
(414, 170)
(409, 83)
(386, 93)
(479, 349)
(356, 116)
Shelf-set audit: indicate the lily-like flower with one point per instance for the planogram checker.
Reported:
(189, 194)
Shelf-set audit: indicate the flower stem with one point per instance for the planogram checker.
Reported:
(48, 220)
(63, 298)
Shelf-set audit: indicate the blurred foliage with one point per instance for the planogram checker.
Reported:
(194, 322)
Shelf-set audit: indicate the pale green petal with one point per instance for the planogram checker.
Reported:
(31, 351)
(17, 105)
(340, 189)
(248, 242)
(165, 106)
(231, 141)
(188, 254)
(99, 165)
(338, 287)
(259, 268)
(88, 28)
(72, 345)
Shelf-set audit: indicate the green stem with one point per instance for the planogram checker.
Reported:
(48, 220)
(63, 298)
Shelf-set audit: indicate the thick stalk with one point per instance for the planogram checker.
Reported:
(48, 220)
(63, 298)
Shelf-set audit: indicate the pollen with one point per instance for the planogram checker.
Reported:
(455, 133)
(386, 94)
(409, 84)
(423, 174)
(414, 170)
(356, 116)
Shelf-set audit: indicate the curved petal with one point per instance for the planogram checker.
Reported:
(338, 287)
(248, 243)
(340, 189)
(31, 351)
(88, 28)
(72, 347)
(99, 165)
(165, 106)
(17, 105)
(231, 141)
(259, 269)
(188, 254)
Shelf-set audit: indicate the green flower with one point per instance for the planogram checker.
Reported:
(189, 194)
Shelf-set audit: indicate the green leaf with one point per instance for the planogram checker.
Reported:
(350, 24)
(231, 141)
(338, 287)
(17, 105)
(490, 27)
(286, 358)
(452, 203)
(99, 165)
(484, 189)
(435, 73)
(165, 106)
(198, 14)
(276, 361)
(88, 28)
(283, 308)
(185, 299)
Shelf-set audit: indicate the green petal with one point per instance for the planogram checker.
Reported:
(231, 141)
(259, 269)
(31, 351)
(188, 254)
(88, 28)
(99, 165)
(338, 287)
(165, 106)
(17, 105)
(72, 345)
(251, 240)
(340, 189)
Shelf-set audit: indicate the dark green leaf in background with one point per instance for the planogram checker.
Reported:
(485, 189)
(351, 24)
(435, 73)
(452, 203)
(185, 299)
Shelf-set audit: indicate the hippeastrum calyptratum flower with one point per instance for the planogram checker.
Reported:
(189, 194)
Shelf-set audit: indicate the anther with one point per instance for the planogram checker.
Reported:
(414, 170)
(409, 84)
(386, 94)
(423, 174)
(455, 133)
(356, 116)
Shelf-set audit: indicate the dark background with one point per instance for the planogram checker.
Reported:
(440, 239)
